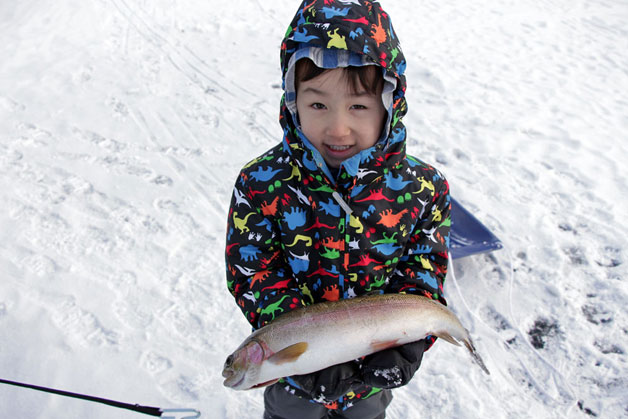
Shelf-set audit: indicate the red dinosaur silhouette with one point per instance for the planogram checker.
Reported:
(231, 246)
(365, 260)
(321, 271)
(265, 262)
(278, 285)
(270, 209)
(332, 293)
(375, 195)
(361, 20)
(318, 224)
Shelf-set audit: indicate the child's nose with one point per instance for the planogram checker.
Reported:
(338, 125)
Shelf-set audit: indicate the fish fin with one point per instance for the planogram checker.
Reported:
(266, 383)
(288, 354)
(446, 336)
(379, 345)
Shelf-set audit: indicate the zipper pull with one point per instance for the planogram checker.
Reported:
(342, 203)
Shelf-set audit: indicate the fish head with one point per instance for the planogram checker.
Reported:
(242, 367)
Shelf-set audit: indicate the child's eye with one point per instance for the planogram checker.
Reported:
(318, 106)
(359, 107)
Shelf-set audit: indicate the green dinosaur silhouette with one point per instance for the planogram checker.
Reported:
(376, 284)
(306, 291)
(330, 253)
(386, 240)
(273, 308)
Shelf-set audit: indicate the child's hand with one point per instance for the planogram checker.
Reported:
(330, 383)
(393, 367)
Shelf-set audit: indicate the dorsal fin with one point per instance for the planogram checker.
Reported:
(288, 354)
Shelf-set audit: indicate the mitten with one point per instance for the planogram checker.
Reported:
(393, 367)
(330, 383)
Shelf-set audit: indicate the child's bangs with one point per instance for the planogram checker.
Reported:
(366, 78)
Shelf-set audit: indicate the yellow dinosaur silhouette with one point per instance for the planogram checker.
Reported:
(306, 291)
(240, 223)
(295, 173)
(301, 237)
(356, 223)
(335, 40)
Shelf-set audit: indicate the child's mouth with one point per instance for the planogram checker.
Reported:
(339, 149)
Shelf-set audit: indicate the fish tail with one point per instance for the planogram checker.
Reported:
(476, 356)
(469, 345)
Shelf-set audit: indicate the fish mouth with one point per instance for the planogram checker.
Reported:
(233, 380)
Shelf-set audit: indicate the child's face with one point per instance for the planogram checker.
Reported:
(339, 122)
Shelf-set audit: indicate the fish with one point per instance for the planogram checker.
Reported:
(320, 335)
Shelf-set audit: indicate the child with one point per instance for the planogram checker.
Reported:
(337, 209)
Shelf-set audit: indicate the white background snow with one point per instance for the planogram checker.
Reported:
(123, 125)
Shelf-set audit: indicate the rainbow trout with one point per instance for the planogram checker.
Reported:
(315, 337)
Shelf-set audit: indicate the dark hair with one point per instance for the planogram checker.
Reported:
(366, 77)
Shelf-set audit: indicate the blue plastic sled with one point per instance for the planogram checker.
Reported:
(468, 235)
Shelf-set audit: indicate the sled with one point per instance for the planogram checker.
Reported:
(468, 235)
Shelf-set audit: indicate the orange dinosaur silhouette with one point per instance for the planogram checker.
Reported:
(379, 34)
(270, 209)
(389, 219)
(260, 276)
(332, 293)
(333, 244)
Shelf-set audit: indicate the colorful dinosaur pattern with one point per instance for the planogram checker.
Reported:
(297, 235)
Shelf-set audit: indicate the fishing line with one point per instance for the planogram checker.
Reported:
(515, 326)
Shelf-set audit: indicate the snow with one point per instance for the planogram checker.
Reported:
(123, 125)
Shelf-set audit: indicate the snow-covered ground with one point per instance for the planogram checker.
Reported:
(123, 125)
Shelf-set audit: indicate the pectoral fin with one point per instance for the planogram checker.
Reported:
(380, 345)
(288, 354)
(267, 383)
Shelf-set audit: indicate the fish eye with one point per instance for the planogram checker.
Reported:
(229, 361)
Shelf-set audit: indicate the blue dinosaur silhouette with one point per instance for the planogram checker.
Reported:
(356, 33)
(334, 11)
(298, 265)
(356, 190)
(330, 208)
(421, 250)
(398, 135)
(367, 155)
(386, 248)
(265, 223)
(264, 175)
(249, 252)
(370, 210)
(303, 36)
(309, 164)
(428, 279)
(295, 218)
(395, 183)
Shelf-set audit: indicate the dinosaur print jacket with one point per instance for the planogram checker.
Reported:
(298, 234)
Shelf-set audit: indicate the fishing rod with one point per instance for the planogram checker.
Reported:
(147, 410)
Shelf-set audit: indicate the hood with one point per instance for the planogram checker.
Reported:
(341, 33)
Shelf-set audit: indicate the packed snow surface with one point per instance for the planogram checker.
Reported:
(123, 125)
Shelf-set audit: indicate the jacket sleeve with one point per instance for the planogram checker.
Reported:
(423, 266)
(257, 275)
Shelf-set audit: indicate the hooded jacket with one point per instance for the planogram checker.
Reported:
(298, 234)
